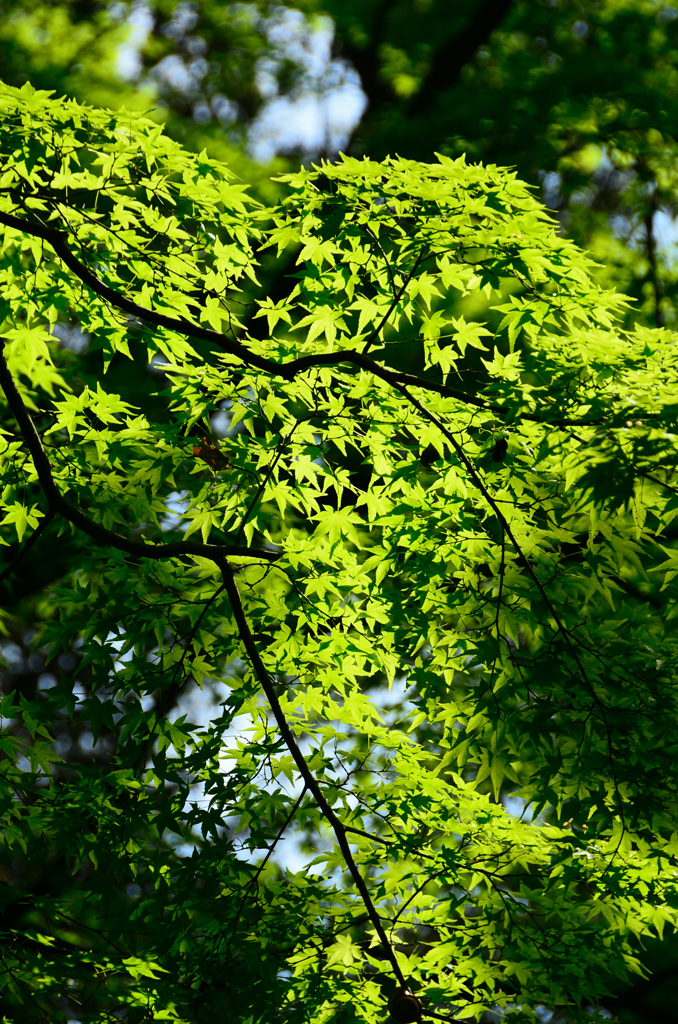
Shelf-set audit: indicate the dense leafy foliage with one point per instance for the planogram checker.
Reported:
(579, 97)
(481, 526)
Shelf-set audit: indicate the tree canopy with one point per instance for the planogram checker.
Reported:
(432, 459)
(579, 97)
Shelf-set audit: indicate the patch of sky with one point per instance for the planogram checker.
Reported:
(665, 230)
(182, 76)
(79, 692)
(550, 188)
(317, 115)
(115, 641)
(67, 661)
(158, 363)
(63, 744)
(176, 503)
(517, 807)
(90, 747)
(225, 110)
(71, 337)
(203, 706)
(630, 227)
(139, 22)
(326, 102)
(13, 656)
(220, 421)
(319, 461)
(397, 699)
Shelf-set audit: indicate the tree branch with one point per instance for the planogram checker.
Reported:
(33, 539)
(506, 527)
(59, 505)
(454, 54)
(288, 370)
(307, 775)
(57, 240)
(366, 59)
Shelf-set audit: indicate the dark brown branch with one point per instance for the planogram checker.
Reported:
(58, 504)
(366, 59)
(307, 775)
(288, 370)
(33, 539)
(454, 54)
(57, 239)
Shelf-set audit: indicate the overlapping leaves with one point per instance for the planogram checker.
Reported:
(443, 464)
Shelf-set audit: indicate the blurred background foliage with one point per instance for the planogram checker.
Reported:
(581, 97)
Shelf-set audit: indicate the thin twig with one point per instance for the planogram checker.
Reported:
(261, 867)
(33, 539)
(474, 475)
(288, 370)
(60, 506)
(307, 775)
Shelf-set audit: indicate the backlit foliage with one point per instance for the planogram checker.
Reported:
(481, 526)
